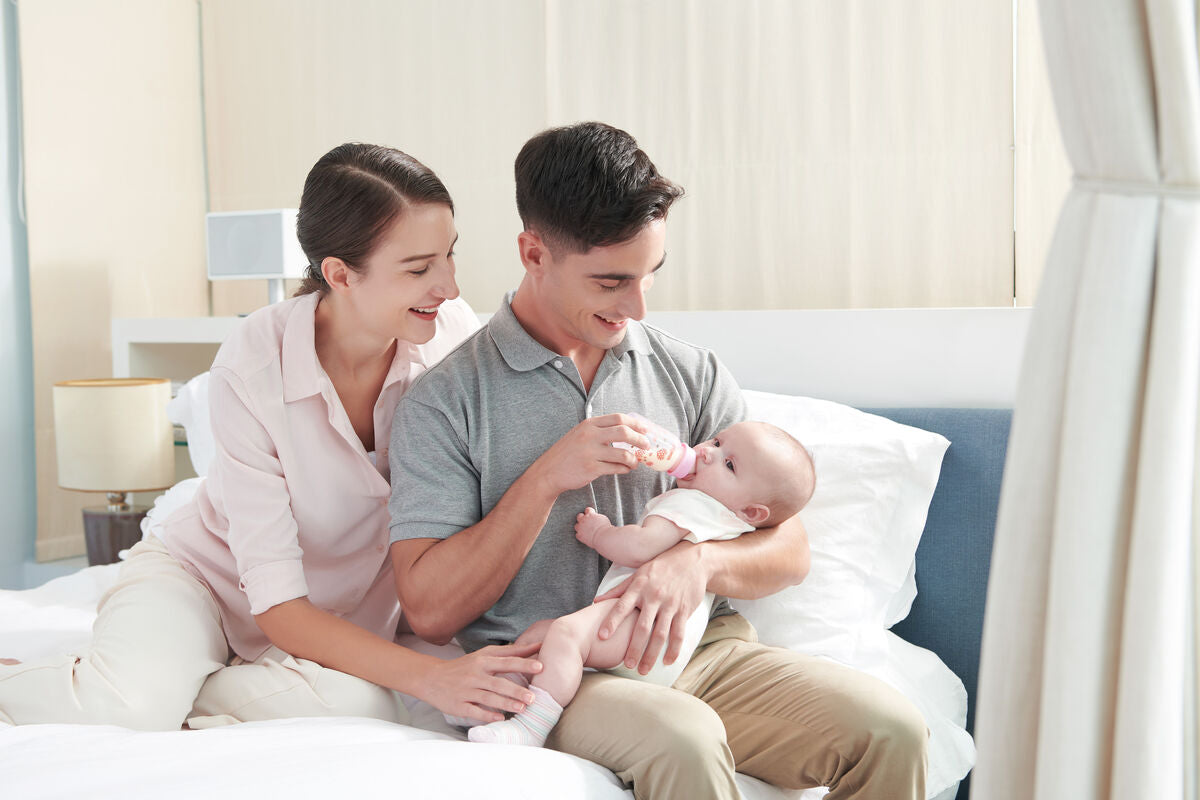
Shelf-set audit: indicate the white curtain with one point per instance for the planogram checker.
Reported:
(1087, 682)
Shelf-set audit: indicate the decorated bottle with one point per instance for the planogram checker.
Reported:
(666, 453)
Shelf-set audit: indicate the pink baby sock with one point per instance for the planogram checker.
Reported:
(530, 727)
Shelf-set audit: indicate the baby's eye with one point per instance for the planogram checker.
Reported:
(729, 464)
(716, 442)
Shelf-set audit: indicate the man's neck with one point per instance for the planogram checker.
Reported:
(537, 322)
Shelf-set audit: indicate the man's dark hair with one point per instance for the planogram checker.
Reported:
(589, 185)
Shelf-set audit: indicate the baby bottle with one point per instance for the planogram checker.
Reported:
(666, 453)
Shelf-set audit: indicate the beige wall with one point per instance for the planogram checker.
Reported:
(837, 153)
(459, 85)
(841, 153)
(114, 195)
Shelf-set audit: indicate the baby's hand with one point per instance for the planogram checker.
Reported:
(589, 523)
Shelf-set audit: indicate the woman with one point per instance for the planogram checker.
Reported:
(281, 560)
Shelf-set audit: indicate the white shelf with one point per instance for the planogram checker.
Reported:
(177, 348)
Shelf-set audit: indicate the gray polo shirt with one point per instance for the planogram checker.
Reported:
(472, 424)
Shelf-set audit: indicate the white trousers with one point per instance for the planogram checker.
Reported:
(158, 657)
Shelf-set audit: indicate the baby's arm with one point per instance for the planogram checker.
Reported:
(628, 545)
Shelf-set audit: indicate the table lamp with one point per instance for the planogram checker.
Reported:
(112, 435)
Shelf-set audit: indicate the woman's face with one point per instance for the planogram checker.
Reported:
(408, 276)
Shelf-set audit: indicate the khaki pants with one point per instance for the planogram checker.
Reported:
(158, 656)
(791, 720)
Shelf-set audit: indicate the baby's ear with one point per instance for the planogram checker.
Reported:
(755, 514)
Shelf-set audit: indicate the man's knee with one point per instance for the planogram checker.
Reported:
(694, 737)
(899, 729)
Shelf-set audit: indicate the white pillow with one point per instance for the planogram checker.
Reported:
(875, 479)
(189, 408)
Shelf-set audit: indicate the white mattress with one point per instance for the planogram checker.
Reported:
(301, 758)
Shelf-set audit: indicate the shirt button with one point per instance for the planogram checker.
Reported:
(557, 364)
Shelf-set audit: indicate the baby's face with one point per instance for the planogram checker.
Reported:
(731, 467)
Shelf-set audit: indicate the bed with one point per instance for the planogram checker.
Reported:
(909, 491)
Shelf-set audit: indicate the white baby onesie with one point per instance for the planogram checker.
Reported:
(705, 520)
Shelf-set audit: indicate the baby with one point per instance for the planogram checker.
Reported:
(751, 475)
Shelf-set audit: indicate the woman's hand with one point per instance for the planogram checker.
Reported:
(471, 685)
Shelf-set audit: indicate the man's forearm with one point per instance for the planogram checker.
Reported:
(446, 584)
(758, 563)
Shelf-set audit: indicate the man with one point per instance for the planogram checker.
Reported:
(496, 449)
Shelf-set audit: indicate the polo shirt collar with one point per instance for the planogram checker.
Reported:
(522, 352)
(635, 341)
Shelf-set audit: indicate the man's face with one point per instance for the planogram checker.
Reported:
(588, 298)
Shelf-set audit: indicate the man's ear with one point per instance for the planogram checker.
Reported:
(535, 255)
(755, 514)
(336, 273)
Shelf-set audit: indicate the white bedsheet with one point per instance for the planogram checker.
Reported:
(302, 758)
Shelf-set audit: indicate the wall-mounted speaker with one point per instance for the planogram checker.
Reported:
(254, 244)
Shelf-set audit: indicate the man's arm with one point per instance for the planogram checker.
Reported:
(446, 583)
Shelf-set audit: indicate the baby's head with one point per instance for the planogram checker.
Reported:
(756, 470)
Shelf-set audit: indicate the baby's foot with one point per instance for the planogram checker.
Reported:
(529, 727)
(588, 523)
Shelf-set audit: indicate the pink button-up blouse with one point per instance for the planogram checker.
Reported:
(293, 505)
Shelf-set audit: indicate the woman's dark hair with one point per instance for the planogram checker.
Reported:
(350, 198)
(589, 185)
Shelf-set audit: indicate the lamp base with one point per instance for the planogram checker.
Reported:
(109, 532)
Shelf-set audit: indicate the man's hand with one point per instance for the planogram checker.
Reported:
(665, 591)
(586, 452)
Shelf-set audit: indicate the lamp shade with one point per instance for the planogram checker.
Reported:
(113, 435)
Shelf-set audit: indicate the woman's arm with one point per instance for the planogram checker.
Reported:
(465, 686)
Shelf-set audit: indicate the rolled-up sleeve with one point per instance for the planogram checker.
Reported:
(248, 477)
(435, 485)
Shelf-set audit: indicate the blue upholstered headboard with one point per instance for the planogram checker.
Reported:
(956, 547)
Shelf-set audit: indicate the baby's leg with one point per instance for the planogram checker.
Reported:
(568, 644)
